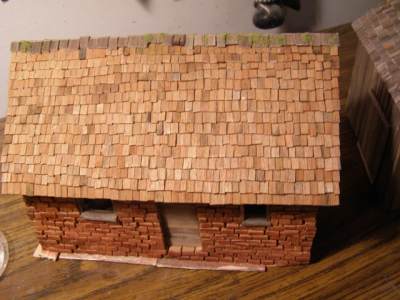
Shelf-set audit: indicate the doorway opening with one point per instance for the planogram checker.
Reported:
(181, 225)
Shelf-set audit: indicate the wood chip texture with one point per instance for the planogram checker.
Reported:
(248, 119)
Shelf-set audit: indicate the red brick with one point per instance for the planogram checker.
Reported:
(287, 240)
(197, 258)
(211, 258)
(188, 251)
(175, 251)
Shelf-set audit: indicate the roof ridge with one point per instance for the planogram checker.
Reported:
(188, 40)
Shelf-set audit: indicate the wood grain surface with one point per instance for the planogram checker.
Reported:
(356, 253)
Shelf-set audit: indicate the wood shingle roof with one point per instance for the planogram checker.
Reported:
(218, 119)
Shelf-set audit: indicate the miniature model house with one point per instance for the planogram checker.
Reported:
(374, 97)
(214, 149)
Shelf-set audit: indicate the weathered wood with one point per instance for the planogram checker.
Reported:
(204, 265)
(363, 80)
(181, 225)
(53, 256)
(376, 124)
(40, 253)
(373, 135)
(108, 258)
(163, 262)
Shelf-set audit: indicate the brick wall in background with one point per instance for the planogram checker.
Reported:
(59, 228)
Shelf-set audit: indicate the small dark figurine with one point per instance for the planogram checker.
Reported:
(272, 13)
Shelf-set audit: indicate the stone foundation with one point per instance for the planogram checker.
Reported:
(137, 232)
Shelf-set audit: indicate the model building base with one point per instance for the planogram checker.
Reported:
(158, 262)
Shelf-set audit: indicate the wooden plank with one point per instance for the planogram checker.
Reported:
(54, 256)
(354, 105)
(204, 265)
(41, 253)
(116, 259)
(363, 80)
(373, 135)
(163, 262)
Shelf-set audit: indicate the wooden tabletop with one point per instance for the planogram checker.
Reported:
(356, 252)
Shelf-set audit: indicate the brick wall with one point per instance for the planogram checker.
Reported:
(59, 228)
(286, 241)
